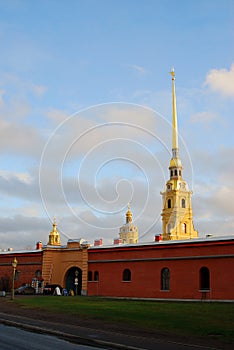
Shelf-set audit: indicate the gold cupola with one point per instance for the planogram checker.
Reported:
(54, 236)
(128, 215)
(128, 233)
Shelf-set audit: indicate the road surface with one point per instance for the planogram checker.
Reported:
(12, 338)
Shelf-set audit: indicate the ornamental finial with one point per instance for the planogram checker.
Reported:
(172, 72)
(129, 214)
(54, 223)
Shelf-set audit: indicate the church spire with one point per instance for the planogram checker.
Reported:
(175, 148)
(175, 163)
(177, 215)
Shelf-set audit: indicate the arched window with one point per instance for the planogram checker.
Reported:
(169, 203)
(171, 172)
(165, 279)
(183, 203)
(175, 172)
(126, 275)
(90, 276)
(204, 278)
(169, 228)
(96, 276)
(38, 273)
(184, 227)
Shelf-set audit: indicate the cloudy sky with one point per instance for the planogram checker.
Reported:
(85, 113)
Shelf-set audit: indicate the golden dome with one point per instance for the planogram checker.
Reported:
(175, 163)
(128, 214)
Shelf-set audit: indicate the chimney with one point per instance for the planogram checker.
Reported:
(158, 238)
(117, 241)
(39, 245)
(98, 242)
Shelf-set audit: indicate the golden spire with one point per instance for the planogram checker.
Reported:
(174, 118)
(175, 163)
(54, 225)
(128, 215)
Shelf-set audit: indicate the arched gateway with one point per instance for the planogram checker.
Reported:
(73, 280)
(67, 265)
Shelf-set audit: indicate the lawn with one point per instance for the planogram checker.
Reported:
(182, 318)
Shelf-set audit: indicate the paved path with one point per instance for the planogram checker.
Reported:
(12, 338)
(93, 337)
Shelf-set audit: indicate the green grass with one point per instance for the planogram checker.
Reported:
(180, 318)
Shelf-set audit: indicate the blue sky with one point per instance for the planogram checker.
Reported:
(85, 111)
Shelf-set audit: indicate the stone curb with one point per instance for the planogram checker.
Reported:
(70, 337)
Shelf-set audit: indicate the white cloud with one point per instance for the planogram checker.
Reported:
(23, 86)
(18, 135)
(19, 231)
(22, 177)
(57, 115)
(38, 90)
(221, 80)
(214, 191)
(20, 139)
(204, 117)
(139, 69)
(2, 92)
(19, 187)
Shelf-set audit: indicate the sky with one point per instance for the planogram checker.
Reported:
(85, 115)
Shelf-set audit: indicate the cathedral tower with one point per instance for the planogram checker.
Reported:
(54, 236)
(177, 215)
(128, 233)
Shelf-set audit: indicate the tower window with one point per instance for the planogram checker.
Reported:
(175, 172)
(180, 172)
(183, 203)
(165, 279)
(96, 276)
(169, 228)
(204, 278)
(184, 228)
(90, 276)
(126, 275)
(171, 172)
(169, 203)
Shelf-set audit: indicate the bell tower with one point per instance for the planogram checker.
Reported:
(54, 236)
(128, 233)
(177, 215)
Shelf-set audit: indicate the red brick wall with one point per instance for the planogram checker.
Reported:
(184, 261)
(28, 264)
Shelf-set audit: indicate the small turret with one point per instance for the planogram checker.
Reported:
(128, 233)
(128, 215)
(54, 237)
